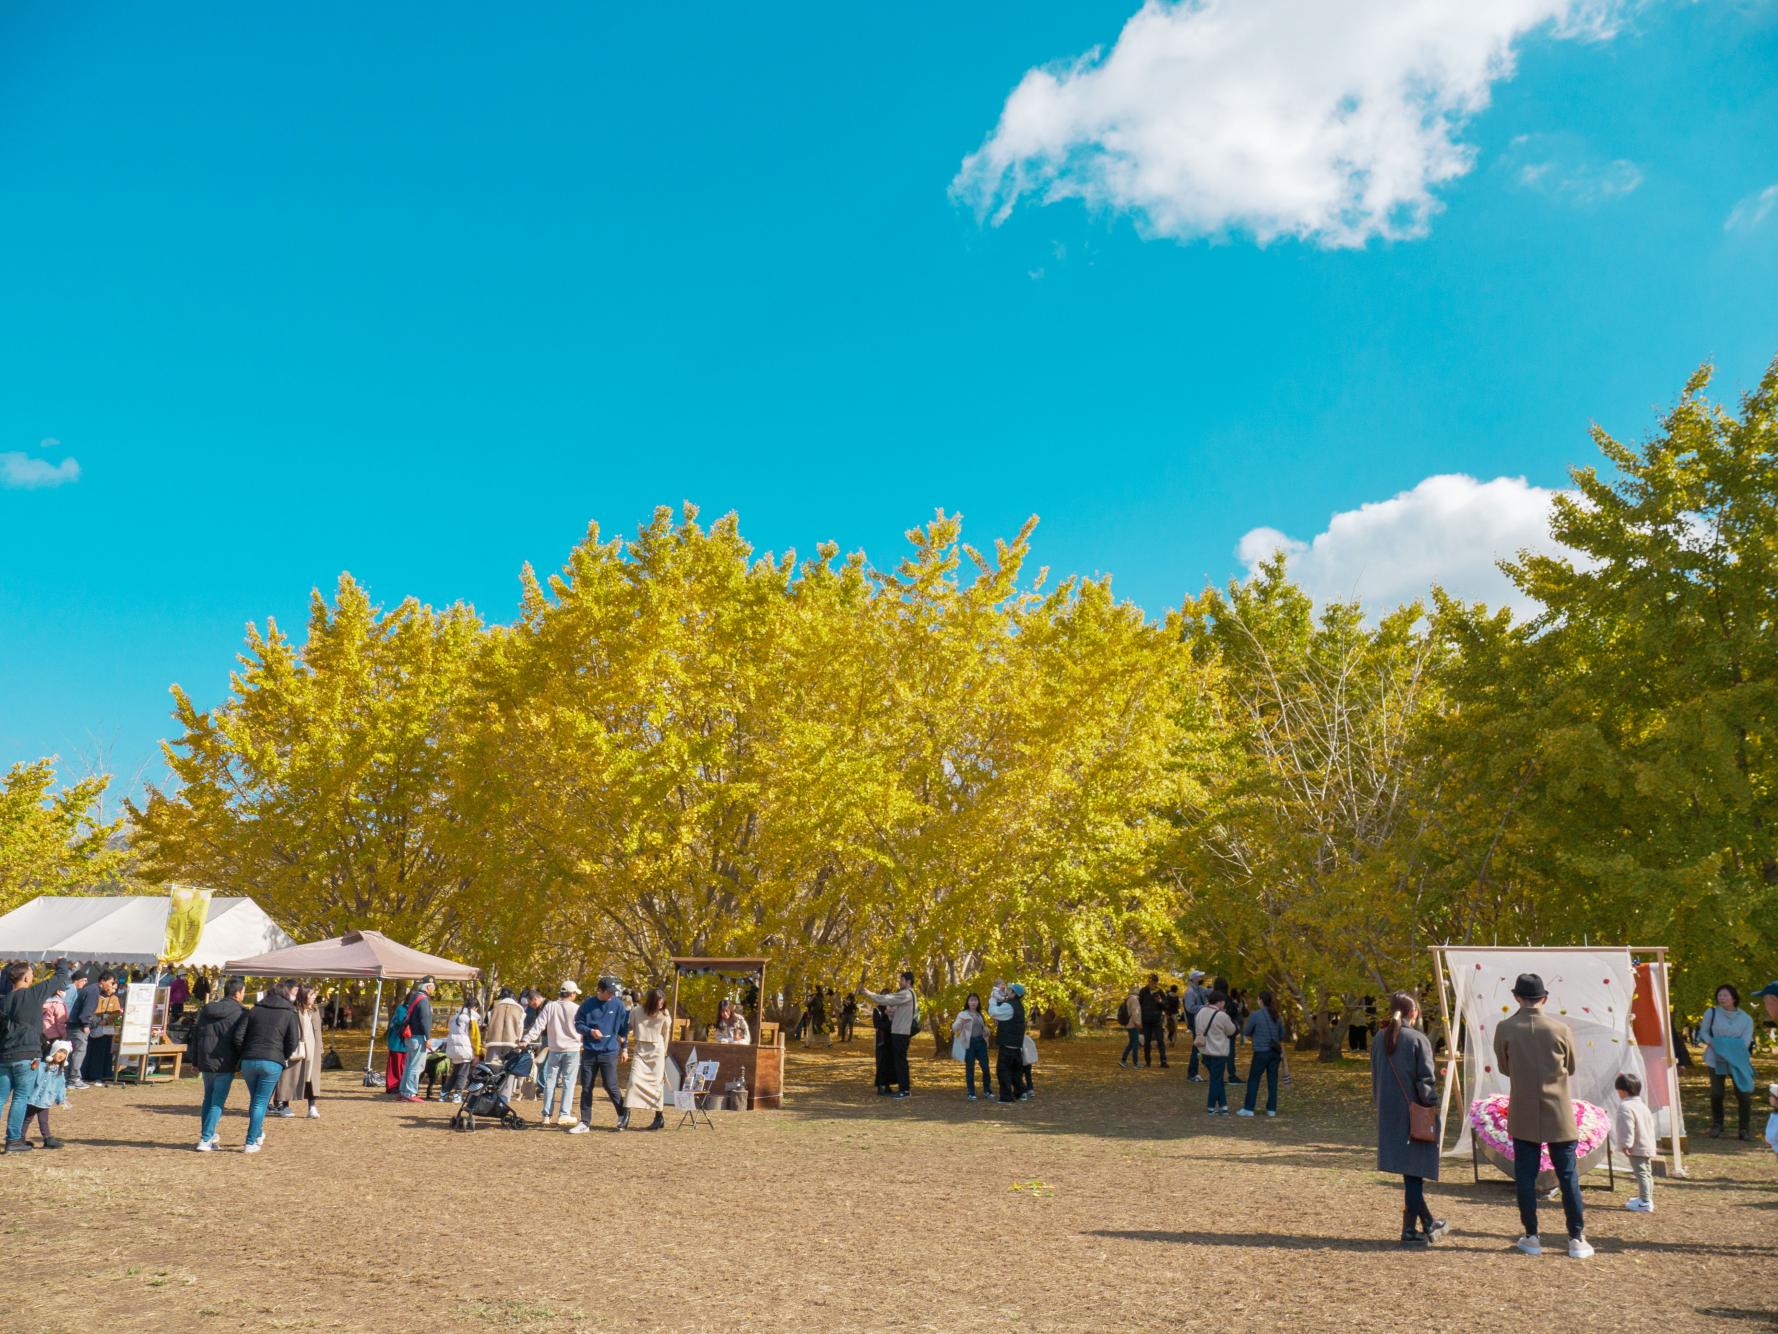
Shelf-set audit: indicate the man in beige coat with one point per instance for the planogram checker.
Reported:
(1536, 1052)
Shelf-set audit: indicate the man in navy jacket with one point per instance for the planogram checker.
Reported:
(604, 1028)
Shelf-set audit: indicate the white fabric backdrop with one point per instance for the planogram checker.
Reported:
(1590, 991)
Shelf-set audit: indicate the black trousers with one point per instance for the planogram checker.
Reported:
(1721, 1085)
(1010, 1071)
(1153, 1035)
(898, 1060)
(596, 1066)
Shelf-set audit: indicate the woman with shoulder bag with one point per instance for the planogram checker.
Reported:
(1727, 1032)
(1404, 1091)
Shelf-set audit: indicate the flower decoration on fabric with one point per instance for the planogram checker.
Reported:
(1488, 1118)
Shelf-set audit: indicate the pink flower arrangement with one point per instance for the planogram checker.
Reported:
(1487, 1116)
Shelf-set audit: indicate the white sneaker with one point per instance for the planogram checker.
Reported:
(1638, 1205)
(1529, 1245)
(1245, 1111)
(566, 1121)
(580, 1128)
(252, 1146)
(206, 1146)
(1271, 1113)
(314, 1113)
(1579, 1249)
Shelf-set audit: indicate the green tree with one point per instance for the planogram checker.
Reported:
(54, 841)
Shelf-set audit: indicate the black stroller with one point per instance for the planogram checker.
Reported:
(486, 1095)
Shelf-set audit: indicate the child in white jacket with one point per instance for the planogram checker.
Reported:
(1633, 1130)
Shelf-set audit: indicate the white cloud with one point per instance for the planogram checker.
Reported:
(1327, 122)
(1561, 166)
(1751, 211)
(19, 470)
(1449, 530)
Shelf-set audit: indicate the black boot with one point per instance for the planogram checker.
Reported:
(1411, 1236)
(659, 1122)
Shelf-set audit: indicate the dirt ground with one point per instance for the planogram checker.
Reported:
(1111, 1202)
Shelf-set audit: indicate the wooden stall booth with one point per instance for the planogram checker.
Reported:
(761, 1059)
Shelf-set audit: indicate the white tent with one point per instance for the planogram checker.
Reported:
(132, 929)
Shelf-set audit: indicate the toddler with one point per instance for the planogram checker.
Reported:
(1633, 1129)
(50, 1090)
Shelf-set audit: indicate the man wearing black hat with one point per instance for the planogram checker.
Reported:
(1770, 993)
(1537, 1053)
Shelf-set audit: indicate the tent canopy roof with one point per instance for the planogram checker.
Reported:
(131, 929)
(368, 954)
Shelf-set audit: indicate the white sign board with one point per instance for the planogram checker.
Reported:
(138, 1019)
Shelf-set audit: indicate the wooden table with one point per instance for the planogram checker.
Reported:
(158, 1051)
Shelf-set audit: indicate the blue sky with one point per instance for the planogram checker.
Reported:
(417, 291)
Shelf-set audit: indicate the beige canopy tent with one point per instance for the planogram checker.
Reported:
(357, 954)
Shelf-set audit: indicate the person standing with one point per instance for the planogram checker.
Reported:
(1402, 1076)
(461, 1041)
(885, 1055)
(80, 1023)
(178, 990)
(1154, 1018)
(419, 1031)
(268, 1040)
(100, 1062)
(395, 1040)
(903, 1013)
(506, 1025)
(1129, 1014)
(1537, 1054)
(1265, 1030)
(848, 1017)
(1006, 1007)
(650, 1029)
(21, 1043)
(604, 1027)
(213, 1049)
(554, 1027)
(1727, 1034)
(1171, 1004)
(1193, 1005)
(970, 1035)
(1215, 1030)
(1633, 1131)
(302, 1076)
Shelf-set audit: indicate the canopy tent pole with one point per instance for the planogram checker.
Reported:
(1672, 1061)
(376, 1014)
(1444, 1014)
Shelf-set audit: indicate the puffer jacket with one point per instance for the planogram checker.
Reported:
(214, 1047)
(272, 1030)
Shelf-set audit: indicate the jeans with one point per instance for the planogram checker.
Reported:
(77, 1040)
(1230, 1072)
(596, 1066)
(1525, 1163)
(898, 1059)
(17, 1078)
(560, 1069)
(1154, 1034)
(216, 1087)
(1011, 1072)
(977, 1053)
(1263, 1063)
(1132, 1048)
(410, 1075)
(1219, 1096)
(1191, 1069)
(1644, 1172)
(261, 1078)
(1719, 1084)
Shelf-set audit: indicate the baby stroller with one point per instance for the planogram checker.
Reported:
(486, 1095)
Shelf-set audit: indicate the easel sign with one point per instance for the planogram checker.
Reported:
(138, 1019)
(693, 1095)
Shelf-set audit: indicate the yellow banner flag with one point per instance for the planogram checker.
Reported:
(187, 911)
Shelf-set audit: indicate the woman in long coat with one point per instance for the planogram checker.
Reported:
(1402, 1070)
(879, 1019)
(651, 1027)
(301, 1079)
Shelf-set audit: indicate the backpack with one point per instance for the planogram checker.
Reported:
(1123, 1012)
(914, 1028)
